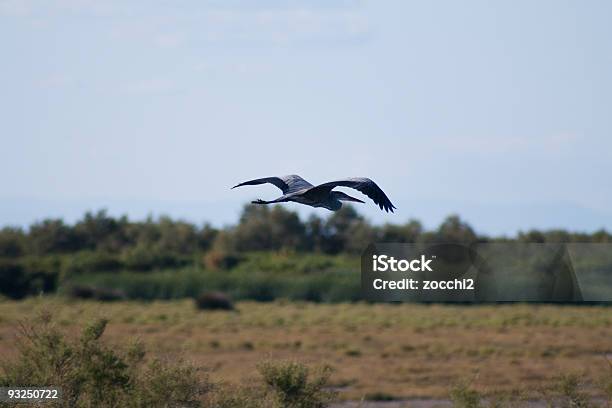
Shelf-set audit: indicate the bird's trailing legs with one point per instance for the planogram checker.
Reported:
(260, 201)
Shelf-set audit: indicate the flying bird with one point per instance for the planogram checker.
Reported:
(298, 190)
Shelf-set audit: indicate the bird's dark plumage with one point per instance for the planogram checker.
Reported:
(287, 184)
(364, 185)
(298, 190)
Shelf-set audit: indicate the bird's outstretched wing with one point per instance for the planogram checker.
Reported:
(362, 184)
(287, 184)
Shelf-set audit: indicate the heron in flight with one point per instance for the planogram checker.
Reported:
(298, 190)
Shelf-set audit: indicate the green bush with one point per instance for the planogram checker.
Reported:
(28, 276)
(91, 373)
(13, 279)
(333, 286)
(463, 396)
(145, 258)
(90, 261)
(169, 284)
(11, 242)
(254, 396)
(217, 259)
(258, 276)
(295, 386)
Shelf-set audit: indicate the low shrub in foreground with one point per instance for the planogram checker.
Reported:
(296, 386)
(463, 396)
(566, 391)
(91, 373)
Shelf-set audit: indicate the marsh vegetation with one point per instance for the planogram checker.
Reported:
(359, 351)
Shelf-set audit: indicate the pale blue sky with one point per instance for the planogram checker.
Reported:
(498, 111)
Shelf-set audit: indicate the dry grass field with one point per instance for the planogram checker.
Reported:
(377, 351)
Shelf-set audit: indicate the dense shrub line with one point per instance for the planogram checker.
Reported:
(331, 286)
(91, 373)
(50, 253)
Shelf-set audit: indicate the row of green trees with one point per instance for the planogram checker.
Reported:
(180, 258)
(102, 232)
(260, 228)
